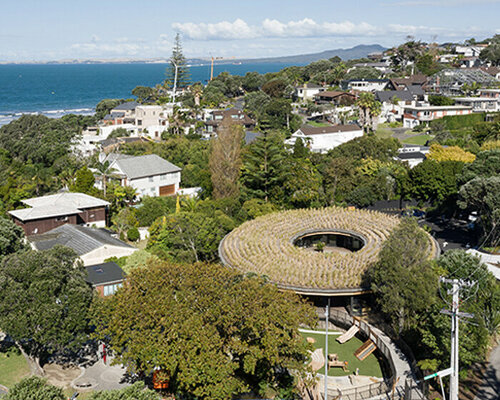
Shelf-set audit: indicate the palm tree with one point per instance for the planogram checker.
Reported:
(369, 109)
(105, 171)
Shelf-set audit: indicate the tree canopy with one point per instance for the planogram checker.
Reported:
(213, 333)
(34, 388)
(43, 300)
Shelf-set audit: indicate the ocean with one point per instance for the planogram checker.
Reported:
(58, 89)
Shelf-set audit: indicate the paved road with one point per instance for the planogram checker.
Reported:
(490, 389)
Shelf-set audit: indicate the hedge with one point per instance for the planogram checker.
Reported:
(453, 122)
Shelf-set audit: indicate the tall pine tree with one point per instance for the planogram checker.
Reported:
(177, 58)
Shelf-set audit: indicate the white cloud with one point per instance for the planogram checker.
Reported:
(305, 28)
(238, 29)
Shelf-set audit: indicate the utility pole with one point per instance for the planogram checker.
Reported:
(455, 314)
(327, 321)
(175, 82)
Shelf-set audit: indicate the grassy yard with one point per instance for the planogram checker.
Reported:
(420, 139)
(13, 367)
(369, 367)
(318, 124)
(383, 133)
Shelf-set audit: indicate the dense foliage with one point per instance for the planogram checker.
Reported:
(34, 388)
(212, 333)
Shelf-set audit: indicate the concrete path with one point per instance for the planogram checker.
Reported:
(101, 377)
(490, 389)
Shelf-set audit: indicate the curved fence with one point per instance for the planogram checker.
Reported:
(398, 385)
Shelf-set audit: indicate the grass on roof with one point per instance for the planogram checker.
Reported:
(368, 367)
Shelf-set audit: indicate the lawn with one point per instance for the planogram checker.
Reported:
(383, 133)
(13, 366)
(420, 139)
(318, 124)
(369, 367)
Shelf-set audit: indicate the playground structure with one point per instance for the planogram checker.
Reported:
(365, 350)
(333, 361)
(348, 334)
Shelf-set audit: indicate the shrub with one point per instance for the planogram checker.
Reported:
(133, 234)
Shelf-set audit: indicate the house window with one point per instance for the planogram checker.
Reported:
(152, 190)
(163, 177)
(151, 179)
(63, 218)
(111, 289)
(139, 122)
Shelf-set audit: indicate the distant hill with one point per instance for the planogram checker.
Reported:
(359, 51)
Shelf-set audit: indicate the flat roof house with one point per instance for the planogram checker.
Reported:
(415, 115)
(322, 139)
(92, 246)
(307, 91)
(48, 212)
(149, 175)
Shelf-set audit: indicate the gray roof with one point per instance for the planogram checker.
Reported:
(142, 166)
(56, 205)
(81, 239)
(109, 272)
(127, 106)
(385, 96)
(415, 90)
(414, 155)
(318, 130)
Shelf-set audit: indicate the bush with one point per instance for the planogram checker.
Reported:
(133, 234)
(460, 121)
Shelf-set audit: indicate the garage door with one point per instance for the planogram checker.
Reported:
(167, 190)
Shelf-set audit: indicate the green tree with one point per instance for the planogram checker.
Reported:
(440, 100)
(105, 171)
(362, 73)
(213, 332)
(262, 170)
(152, 208)
(427, 64)
(118, 133)
(369, 109)
(84, 181)
(274, 88)
(34, 388)
(403, 279)
(252, 81)
(105, 106)
(145, 94)
(492, 52)
(43, 301)
(12, 238)
(256, 102)
(137, 391)
(189, 236)
(177, 58)
(483, 195)
(302, 183)
(133, 234)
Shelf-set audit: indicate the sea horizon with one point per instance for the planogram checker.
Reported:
(55, 90)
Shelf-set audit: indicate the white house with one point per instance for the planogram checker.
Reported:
(307, 91)
(479, 104)
(415, 115)
(150, 174)
(151, 120)
(365, 85)
(322, 139)
(393, 103)
(412, 154)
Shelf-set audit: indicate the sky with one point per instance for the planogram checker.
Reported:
(123, 29)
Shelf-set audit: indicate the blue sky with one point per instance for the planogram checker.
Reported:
(107, 29)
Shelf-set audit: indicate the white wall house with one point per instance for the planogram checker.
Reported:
(479, 104)
(308, 91)
(323, 139)
(415, 115)
(366, 85)
(149, 175)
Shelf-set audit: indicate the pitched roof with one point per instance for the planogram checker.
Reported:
(109, 272)
(56, 205)
(313, 130)
(386, 96)
(143, 166)
(127, 106)
(414, 155)
(81, 239)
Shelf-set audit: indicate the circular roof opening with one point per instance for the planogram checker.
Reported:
(328, 241)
